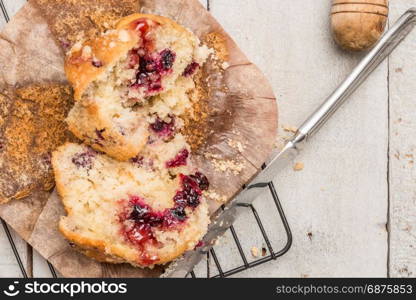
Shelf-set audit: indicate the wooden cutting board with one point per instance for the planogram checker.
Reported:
(241, 115)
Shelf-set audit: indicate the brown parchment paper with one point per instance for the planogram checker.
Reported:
(242, 118)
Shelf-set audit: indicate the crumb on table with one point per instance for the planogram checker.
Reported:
(299, 166)
(254, 251)
(291, 129)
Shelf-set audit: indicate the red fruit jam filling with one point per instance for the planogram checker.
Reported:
(143, 26)
(180, 159)
(162, 128)
(190, 195)
(201, 180)
(139, 219)
(191, 69)
(151, 69)
(199, 245)
(151, 66)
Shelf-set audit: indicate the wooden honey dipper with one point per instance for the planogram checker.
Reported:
(358, 24)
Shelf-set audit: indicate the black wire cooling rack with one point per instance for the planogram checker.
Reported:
(212, 254)
(273, 254)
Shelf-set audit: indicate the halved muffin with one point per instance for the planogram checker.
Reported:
(130, 211)
(117, 77)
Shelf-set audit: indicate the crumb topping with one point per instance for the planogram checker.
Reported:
(32, 127)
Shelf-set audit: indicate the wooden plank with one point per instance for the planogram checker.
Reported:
(40, 266)
(402, 152)
(337, 205)
(2, 20)
(13, 6)
(8, 264)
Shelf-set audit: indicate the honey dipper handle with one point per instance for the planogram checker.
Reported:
(389, 41)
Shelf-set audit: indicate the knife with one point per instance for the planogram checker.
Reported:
(225, 217)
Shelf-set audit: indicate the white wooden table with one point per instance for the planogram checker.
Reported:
(353, 208)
